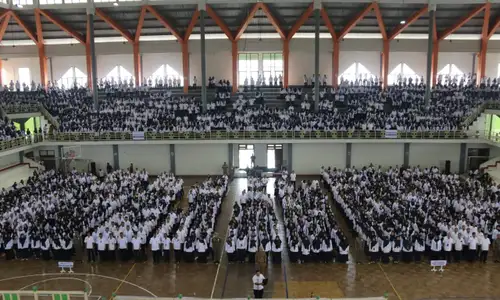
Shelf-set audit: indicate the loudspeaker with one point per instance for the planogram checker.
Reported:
(93, 168)
(447, 167)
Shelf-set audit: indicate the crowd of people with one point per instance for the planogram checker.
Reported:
(311, 228)
(254, 225)
(58, 216)
(406, 214)
(359, 105)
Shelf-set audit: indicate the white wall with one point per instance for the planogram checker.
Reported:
(203, 159)
(365, 51)
(101, 155)
(384, 155)
(9, 160)
(154, 158)
(308, 158)
(428, 155)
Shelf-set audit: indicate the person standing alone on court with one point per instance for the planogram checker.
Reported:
(258, 285)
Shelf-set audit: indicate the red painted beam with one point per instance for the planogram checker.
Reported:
(481, 66)
(380, 21)
(140, 24)
(3, 27)
(355, 21)
(192, 23)
(164, 22)
(125, 33)
(247, 21)
(461, 22)
(24, 26)
(219, 23)
(274, 21)
(303, 18)
(328, 23)
(408, 22)
(56, 21)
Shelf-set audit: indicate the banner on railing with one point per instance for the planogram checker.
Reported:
(138, 135)
(391, 134)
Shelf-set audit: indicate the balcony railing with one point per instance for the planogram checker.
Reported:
(255, 135)
(21, 108)
(20, 142)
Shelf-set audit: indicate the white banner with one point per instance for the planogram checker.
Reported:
(391, 134)
(138, 135)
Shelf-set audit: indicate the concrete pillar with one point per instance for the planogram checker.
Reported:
(116, 158)
(59, 157)
(430, 45)
(21, 157)
(202, 9)
(290, 157)
(463, 158)
(260, 151)
(348, 151)
(172, 158)
(406, 155)
(317, 19)
(474, 57)
(95, 87)
(230, 155)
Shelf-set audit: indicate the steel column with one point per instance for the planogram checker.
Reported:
(116, 158)
(406, 155)
(463, 158)
(172, 158)
(430, 45)
(317, 19)
(202, 9)
(290, 157)
(348, 152)
(95, 87)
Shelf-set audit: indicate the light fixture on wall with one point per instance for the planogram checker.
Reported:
(115, 3)
(402, 22)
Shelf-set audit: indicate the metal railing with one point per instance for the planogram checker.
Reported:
(255, 135)
(20, 142)
(21, 108)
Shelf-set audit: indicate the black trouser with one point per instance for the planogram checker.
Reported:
(251, 257)
(472, 253)
(102, 255)
(483, 256)
(258, 294)
(457, 255)
(111, 255)
(374, 256)
(137, 255)
(166, 255)
(156, 256)
(202, 257)
(90, 255)
(447, 256)
(124, 254)
(178, 255)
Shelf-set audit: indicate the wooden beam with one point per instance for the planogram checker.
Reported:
(56, 21)
(164, 22)
(185, 66)
(481, 66)
(380, 21)
(355, 21)
(192, 23)
(222, 25)
(247, 21)
(408, 22)
(39, 29)
(461, 22)
(274, 21)
(3, 27)
(303, 18)
(494, 28)
(5, 13)
(328, 23)
(24, 26)
(123, 32)
(140, 24)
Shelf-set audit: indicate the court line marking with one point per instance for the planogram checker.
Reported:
(80, 274)
(121, 283)
(390, 282)
(58, 278)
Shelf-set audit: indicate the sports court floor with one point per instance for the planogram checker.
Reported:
(464, 281)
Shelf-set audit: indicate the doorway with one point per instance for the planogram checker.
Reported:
(274, 156)
(477, 156)
(245, 153)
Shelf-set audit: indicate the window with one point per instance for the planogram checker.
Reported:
(498, 72)
(23, 2)
(165, 72)
(119, 73)
(49, 2)
(5, 80)
(401, 71)
(248, 67)
(24, 76)
(450, 72)
(72, 76)
(355, 71)
(245, 153)
(272, 65)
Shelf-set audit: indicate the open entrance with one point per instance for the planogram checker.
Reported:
(245, 153)
(274, 156)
